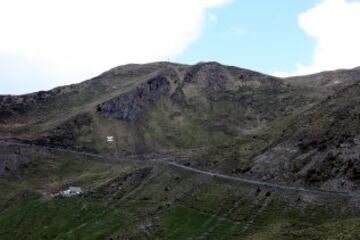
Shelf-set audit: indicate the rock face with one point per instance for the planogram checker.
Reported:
(319, 147)
(129, 106)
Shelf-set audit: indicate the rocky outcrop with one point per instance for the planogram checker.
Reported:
(131, 105)
(24, 107)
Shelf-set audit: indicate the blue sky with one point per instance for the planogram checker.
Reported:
(257, 34)
(41, 49)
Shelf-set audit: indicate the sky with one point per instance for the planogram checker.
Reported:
(49, 43)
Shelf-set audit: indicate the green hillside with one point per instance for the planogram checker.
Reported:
(199, 152)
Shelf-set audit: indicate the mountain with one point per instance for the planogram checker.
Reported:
(163, 105)
(201, 151)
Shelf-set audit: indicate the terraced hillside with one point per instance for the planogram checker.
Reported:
(199, 152)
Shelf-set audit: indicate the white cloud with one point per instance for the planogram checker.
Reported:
(334, 24)
(74, 39)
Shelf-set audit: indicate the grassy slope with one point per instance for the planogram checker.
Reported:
(172, 204)
(220, 104)
(52, 171)
(38, 115)
(222, 126)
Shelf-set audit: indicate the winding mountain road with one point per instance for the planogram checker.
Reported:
(259, 183)
(170, 161)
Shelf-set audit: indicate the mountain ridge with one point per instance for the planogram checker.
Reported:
(196, 152)
(166, 107)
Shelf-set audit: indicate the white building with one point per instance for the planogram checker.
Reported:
(72, 191)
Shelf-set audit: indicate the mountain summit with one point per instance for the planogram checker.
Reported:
(137, 130)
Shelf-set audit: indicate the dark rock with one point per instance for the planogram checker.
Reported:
(131, 105)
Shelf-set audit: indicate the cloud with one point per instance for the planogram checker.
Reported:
(73, 39)
(334, 24)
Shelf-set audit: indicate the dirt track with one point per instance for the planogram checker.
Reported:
(170, 161)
